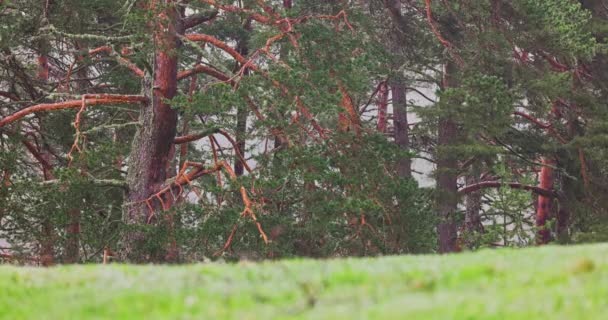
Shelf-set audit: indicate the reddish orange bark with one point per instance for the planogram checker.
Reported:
(199, 68)
(542, 125)
(90, 100)
(545, 204)
(153, 142)
(351, 117)
(43, 68)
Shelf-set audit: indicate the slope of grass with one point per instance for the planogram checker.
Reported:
(537, 283)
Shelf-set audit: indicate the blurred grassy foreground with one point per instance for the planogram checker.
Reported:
(536, 283)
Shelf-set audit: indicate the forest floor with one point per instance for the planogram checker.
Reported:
(535, 283)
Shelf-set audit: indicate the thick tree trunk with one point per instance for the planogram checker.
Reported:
(545, 204)
(150, 151)
(447, 175)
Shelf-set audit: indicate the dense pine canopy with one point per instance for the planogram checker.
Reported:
(179, 131)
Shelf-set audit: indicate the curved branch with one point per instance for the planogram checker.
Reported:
(36, 154)
(199, 18)
(9, 95)
(238, 152)
(447, 44)
(557, 66)
(90, 100)
(125, 62)
(542, 125)
(234, 9)
(218, 43)
(200, 68)
(515, 185)
(195, 136)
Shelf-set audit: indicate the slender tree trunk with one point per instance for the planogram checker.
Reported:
(241, 138)
(72, 248)
(382, 108)
(545, 204)
(287, 4)
(150, 151)
(447, 175)
(47, 247)
(242, 112)
(398, 89)
(401, 127)
(472, 220)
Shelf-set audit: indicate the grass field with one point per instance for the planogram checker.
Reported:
(537, 283)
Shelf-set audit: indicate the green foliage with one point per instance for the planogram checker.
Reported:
(561, 25)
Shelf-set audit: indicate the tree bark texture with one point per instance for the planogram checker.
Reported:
(151, 147)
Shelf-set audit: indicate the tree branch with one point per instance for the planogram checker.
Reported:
(199, 18)
(96, 182)
(515, 185)
(125, 62)
(90, 100)
(200, 68)
(195, 136)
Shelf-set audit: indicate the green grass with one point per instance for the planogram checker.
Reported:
(536, 283)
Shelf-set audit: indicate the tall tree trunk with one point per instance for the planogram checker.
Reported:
(150, 151)
(382, 107)
(72, 248)
(401, 127)
(398, 88)
(545, 204)
(287, 5)
(241, 139)
(47, 246)
(472, 219)
(242, 111)
(447, 174)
